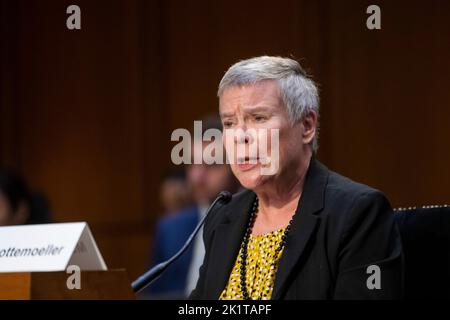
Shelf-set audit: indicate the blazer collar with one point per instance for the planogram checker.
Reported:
(303, 226)
(227, 242)
(229, 234)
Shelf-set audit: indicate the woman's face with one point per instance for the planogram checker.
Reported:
(259, 110)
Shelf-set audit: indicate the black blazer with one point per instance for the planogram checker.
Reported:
(340, 228)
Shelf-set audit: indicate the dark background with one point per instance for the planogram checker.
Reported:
(86, 115)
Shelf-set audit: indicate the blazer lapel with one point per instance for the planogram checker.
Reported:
(229, 234)
(303, 226)
(227, 241)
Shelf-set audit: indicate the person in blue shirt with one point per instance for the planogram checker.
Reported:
(205, 182)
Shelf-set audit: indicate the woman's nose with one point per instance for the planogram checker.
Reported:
(241, 136)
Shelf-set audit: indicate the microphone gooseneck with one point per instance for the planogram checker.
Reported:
(152, 274)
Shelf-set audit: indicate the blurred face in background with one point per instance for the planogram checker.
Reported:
(5, 210)
(175, 194)
(8, 216)
(207, 181)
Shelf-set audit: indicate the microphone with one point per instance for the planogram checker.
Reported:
(152, 274)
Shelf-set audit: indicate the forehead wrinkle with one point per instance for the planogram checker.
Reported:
(250, 98)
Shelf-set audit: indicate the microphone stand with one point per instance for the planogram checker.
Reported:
(152, 274)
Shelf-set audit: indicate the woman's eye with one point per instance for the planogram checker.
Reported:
(227, 124)
(260, 118)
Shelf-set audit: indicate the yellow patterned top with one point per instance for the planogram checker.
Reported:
(262, 263)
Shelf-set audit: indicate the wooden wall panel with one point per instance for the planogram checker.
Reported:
(389, 98)
(87, 115)
(80, 110)
(90, 113)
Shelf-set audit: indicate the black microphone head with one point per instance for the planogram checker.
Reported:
(225, 196)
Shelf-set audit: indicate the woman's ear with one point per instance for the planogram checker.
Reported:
(309, 125)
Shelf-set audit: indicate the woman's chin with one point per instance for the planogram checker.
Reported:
(250, 180)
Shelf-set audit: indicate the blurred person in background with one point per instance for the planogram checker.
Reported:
(18, 205)
(175, 193)
(172, 231)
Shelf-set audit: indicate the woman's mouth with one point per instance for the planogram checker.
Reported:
(246, 163)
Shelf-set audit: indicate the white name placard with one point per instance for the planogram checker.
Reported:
(48, 247)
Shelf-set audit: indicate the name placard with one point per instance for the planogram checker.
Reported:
(48, 247)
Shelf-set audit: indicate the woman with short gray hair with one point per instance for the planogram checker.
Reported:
(302, 231)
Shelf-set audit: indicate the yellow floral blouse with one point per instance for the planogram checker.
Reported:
(262, 262)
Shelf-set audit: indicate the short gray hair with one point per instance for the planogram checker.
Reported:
(298, 91)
